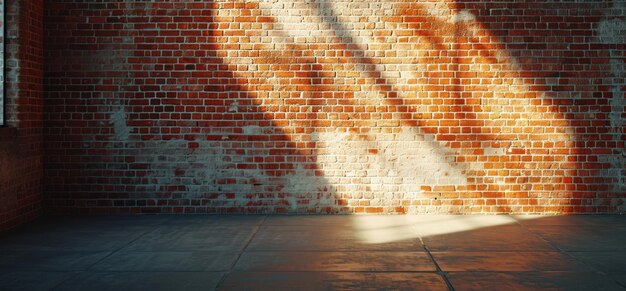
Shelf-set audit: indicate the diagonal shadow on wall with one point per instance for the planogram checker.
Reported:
(188, 119)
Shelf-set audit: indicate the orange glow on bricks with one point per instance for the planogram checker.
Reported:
(335, 107)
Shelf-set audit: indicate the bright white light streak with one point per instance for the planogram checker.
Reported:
(387, 229)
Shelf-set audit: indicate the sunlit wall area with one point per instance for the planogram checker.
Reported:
(335, 106)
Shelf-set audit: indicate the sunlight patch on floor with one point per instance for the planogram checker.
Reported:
(388, 229)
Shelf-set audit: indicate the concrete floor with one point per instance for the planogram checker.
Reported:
(316, 253)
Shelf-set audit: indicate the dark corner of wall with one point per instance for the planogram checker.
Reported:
(21, 136)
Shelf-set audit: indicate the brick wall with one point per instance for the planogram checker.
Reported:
(21, 140)
(335, 106)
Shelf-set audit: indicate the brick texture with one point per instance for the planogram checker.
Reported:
(21, 140)
(335, 106)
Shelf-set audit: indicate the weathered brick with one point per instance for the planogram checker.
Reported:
(292, 107)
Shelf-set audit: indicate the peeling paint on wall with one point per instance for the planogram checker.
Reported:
(121, 130)
(613, 31)
(336, 106)
(463, 16)
(386, 167)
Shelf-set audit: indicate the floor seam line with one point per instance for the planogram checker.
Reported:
(105, 257)
(438, 269)
(232, 267)
(564, 252)
(121, 247)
